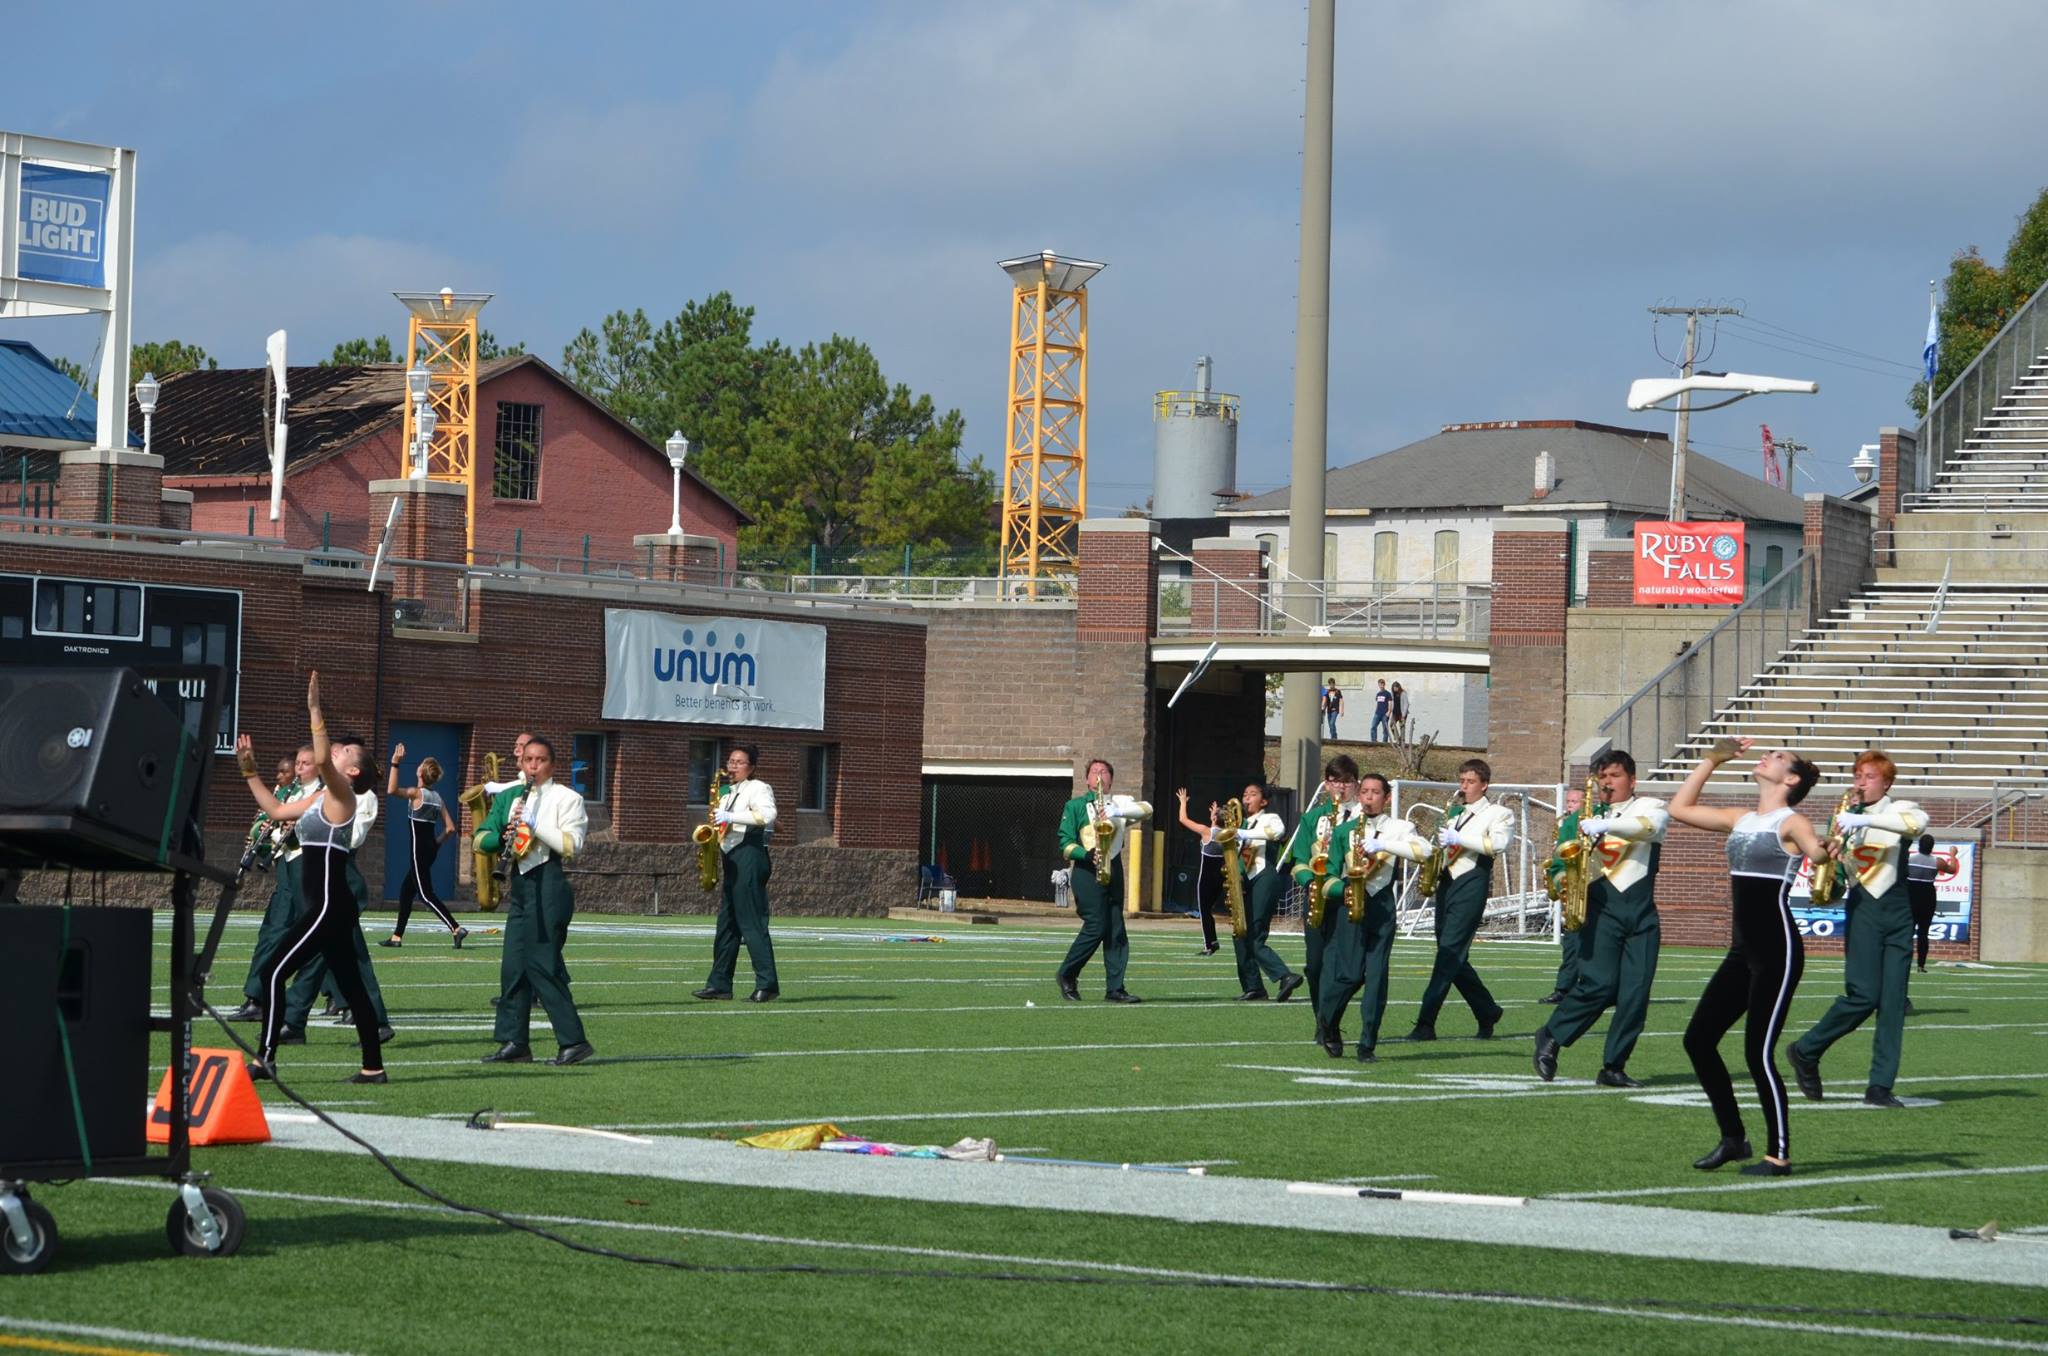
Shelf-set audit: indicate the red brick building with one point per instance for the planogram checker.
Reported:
(559, 474)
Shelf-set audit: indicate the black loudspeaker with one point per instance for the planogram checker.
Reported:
(93, 744)
(95, 983)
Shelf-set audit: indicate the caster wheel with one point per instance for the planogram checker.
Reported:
(183, 1231)
(17, 1261)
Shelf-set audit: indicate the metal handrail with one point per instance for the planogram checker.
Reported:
(1934, 442)
(1940, 600)
(1184, 404)
(1799, 600)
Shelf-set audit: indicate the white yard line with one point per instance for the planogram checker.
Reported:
(155, 1339)
(1829, 1210)
(1796, 1182)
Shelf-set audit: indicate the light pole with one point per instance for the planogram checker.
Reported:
(146, 392)
(678, 448)
(1648, 392)
(417, 383)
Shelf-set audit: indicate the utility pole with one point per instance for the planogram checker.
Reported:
(1692, 314)
(1791, 447)
(1301, 745)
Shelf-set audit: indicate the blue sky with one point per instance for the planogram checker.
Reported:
(1515, 183)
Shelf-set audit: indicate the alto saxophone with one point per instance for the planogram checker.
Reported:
(477, 800)
(268, 839)
(1582, 866)
(1356, 868)
(709, 836)
(1431, 874)
(1827, 875)
(1233, 883)
(1103, 829)
(1319, 869)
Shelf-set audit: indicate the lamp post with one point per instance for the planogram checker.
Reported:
(1865, 465)
(1649, 392)
(417, 383)
(146, 392)
(678, 448)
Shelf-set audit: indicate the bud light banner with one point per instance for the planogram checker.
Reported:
(1689, 563)
(63, 225)
(713, 670)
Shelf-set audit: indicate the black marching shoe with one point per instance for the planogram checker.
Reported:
(711, 995)
(1069, 990)
(1288, 984)
(1332, 1041)
(1121, 996)
(392, 941)
(248, 1012)
(1727, 1151)
(1876, 1096)
(385, 1035)
(1611, 1077)
(764, 995)
(1910, 1009)
(1546, 1055)
(573, 1054)
(1486, 1027)
(1764, 1167)
(331, 1010)
(1420, 1032)
(1805, 1072)
(1252, 996)
(1555, 996)
(1208, 949)
(265, 1070)
(291, 1036)
(457, 936)
(378, 1077)
(1366, 1056)
(511, 1052)
(342, 1017)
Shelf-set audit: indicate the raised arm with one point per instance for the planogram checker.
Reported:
(1186, 821)
(1685, 804)
(391, 781)
(266, 800)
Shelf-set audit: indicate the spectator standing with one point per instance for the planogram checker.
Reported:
(1382, 712)
(1333, 704)
(1400, 712)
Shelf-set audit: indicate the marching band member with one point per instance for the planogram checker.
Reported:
(428, 823)
(1479, 832)
(1263, 887)
(744, 815)
(1568, 939)
(1765, 956)
(1356, 953)
(1879, 833)
(1619, 943)
(295, 778)
(1332, 804)
(544, 824)
(330, 915)
(1098, 893)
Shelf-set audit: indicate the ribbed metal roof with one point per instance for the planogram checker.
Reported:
(38, 401)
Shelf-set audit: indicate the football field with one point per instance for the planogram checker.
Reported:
(1596, 1230)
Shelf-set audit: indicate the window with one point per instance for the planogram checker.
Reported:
(1329, 555)
(1386, 557)
(1444, 564)
(590, 765)
(1774, 562)
(817, 777)
(704, 762)
(515, 464)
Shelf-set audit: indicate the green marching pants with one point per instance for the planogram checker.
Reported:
(743, 916)
(277, 921)
(539, 905)
(1875, 959)
(1355, 958)
(1262, 896)
(1568, 966)
(1460, 905)
(1617, 962)
(1101, 907)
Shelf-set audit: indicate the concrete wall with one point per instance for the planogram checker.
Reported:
(2014, 924)
(1615, 650)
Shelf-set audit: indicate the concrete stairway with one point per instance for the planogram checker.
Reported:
(2003, 465)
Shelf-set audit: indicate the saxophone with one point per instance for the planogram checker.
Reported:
(1356, 868)
(1431, 874)
(268, 840)
(477, 801)
(1103, 830)
(710, 835)
(1582, 866)
(1233, 883)
(1827, 875)
(1319, 869)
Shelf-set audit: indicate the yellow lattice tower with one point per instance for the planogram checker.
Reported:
(1045, 465)
(442, 340)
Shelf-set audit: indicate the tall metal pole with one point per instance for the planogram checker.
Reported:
(1676, 512)
(1301, 745)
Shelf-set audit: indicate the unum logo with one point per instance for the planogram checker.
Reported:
(707, 665)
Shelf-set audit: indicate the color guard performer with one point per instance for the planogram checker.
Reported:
(1263, 887)
(1356, 953)
(1334, 803)
(1093, 829)
(1618, 945)
(543, 824)
(352, 756)
(428, 824)
(295, 779)
(1479, 831)
(744, 815)
(1878, 831)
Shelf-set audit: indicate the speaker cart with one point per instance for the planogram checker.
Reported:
(204, 1221)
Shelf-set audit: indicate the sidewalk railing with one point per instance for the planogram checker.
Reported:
(1965, 403)
(1199, 605)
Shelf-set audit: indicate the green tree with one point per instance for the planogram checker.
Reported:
(162, 357)
(359, 351)
(488, 347)
(1979, 297)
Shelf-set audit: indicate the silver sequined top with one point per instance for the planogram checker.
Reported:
(1754, 848)
(316, 832)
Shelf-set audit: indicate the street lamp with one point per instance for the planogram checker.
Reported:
(146, 392)
(1865, 465)
(678, 448)
(1647, 392)
(425, 422)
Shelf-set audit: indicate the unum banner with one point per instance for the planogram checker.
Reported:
(1689, 563)
(713, 670)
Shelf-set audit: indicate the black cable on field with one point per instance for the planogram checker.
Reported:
(1091, 1278)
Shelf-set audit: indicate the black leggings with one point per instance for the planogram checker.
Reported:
(419, 881)
(1209, 895)
(327, 918)
(1921, 895)
(1758, 976)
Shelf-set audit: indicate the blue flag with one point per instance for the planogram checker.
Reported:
(1930, 357)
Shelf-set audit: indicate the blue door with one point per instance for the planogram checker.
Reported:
(423, 739)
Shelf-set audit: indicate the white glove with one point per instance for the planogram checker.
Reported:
(722, 817)
(1449, 837)
(1849, 819)
(1129, 811)
(1596, 826)
(1372, 845)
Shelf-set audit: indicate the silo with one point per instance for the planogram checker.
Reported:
(1194, 449)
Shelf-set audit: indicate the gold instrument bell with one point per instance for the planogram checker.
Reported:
(710, 836)
(1582, 866)
(483, 866)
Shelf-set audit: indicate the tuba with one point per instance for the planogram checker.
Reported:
(710, 836)
(1432, 870)
(1827, 875)
(1233, 858)
(1319, 869)
(1582, 866)
(477, 801)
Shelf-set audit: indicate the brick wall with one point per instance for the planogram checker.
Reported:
(1119, 581)
(1896, 450)
(1221, 562)
(103, 486)
(1525, 709)
(1611, 574)
(1838, 535)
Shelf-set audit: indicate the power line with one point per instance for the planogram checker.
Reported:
(1811, 356)
(1824, 343)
